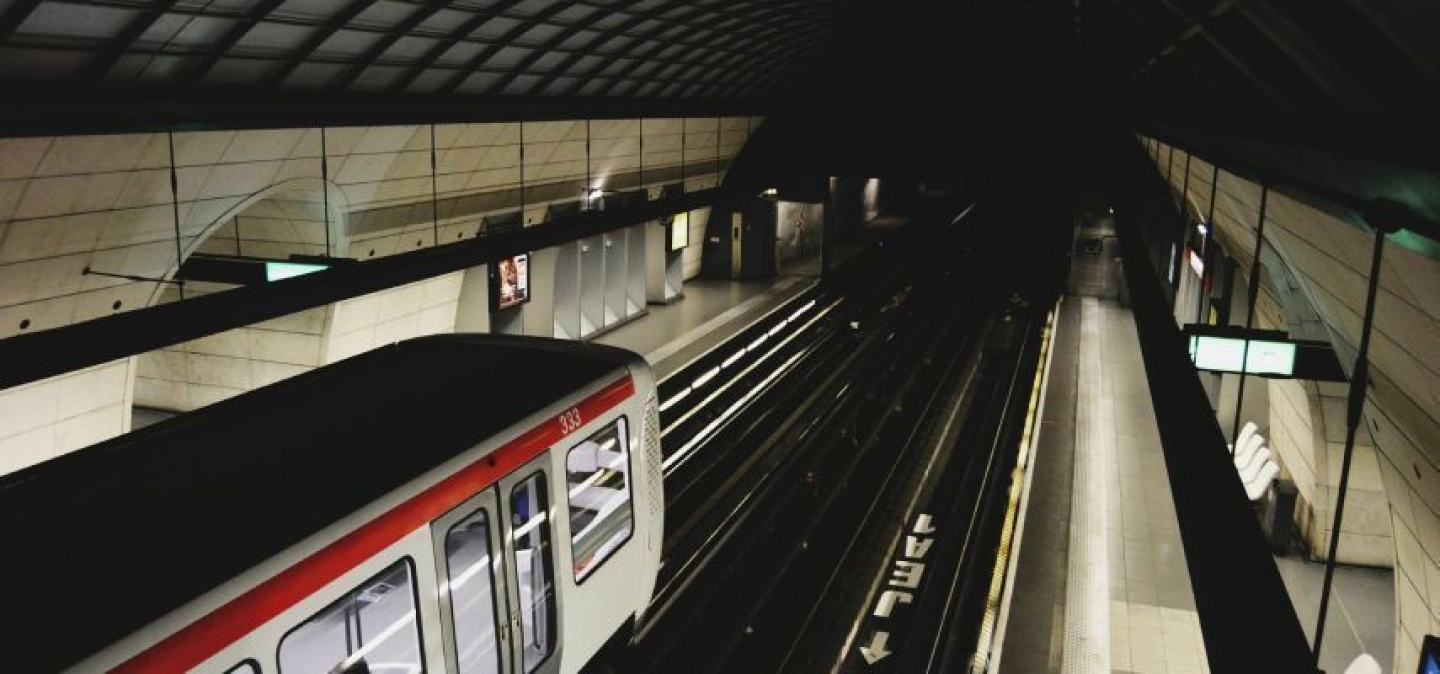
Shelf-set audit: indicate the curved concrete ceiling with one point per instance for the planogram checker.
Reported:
(163, 56)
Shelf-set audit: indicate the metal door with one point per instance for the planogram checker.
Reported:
(468, 551)
(528, 505)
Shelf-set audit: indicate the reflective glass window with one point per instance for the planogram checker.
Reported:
(472, 594)
(530, 531)
(597, 476)
(374, 624)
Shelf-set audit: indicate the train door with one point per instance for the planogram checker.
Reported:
(474, 603)
(528, 506)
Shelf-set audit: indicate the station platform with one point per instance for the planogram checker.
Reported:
(1100, 582)
(669, 335)
(1100, 579)
(672, 335)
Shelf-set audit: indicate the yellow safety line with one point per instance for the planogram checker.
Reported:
(981, 660)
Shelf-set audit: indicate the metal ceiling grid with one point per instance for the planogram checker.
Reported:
(669, 49)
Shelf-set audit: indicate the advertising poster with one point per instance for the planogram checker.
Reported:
(511, 282)
(797, 229)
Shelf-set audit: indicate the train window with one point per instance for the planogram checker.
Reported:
(530, 524)
(597, 473)
(472, 594)
(372, 628)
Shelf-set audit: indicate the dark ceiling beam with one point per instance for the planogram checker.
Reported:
(779, 59)
(570, 60)
(35, 356)
(353, 71)
(91, 112)
(605, 34)
(1239, 104)
(493, 48)
(770, 55)
(1393, 33)
(784, 56)
(1259, 82)
(771, 78)
(16, 15)
(632, 50)
(433, 55)
(764, 15)
(1345, 88)
(1287, 39)
(222, 47)
(664, 24)
(124, 42)
(307, 49)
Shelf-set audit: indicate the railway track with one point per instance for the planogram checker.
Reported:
(888, 400)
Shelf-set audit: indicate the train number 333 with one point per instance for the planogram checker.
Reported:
(570, 421)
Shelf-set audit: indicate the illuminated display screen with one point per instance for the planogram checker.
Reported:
(276, 271)
(510, 282)
(1224, 354)
(680, 231)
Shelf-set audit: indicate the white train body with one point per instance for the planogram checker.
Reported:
(525, 553)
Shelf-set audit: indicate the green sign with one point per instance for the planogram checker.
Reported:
(276, 271)
(1225, 354)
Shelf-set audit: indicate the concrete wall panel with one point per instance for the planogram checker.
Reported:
(1397, 470)
(106, 202)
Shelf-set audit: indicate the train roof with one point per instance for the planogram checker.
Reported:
(105, 540)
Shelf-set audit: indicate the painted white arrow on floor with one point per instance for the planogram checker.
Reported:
(875, 652)
(923, 524)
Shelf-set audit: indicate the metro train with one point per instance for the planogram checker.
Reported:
(459, 503)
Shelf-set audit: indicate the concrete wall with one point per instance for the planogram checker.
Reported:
(105, 202)
(48, 418)
(1329, 258)
(197, 373)
(1306, 427)
(412, 310)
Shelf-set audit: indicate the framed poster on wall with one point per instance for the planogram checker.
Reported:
(510, 282)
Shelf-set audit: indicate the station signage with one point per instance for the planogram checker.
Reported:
(245, 271)
(1252, 356)
(1265, 353)
(279, 271)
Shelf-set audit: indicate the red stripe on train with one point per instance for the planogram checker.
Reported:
(201, 640)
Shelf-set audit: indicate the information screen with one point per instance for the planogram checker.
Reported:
(275, 271)
(510, 282)
(680, 231)
(1224, 354)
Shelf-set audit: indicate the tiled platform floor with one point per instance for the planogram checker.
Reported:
(1361, 615)
(670, 335)
(1150, 613)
